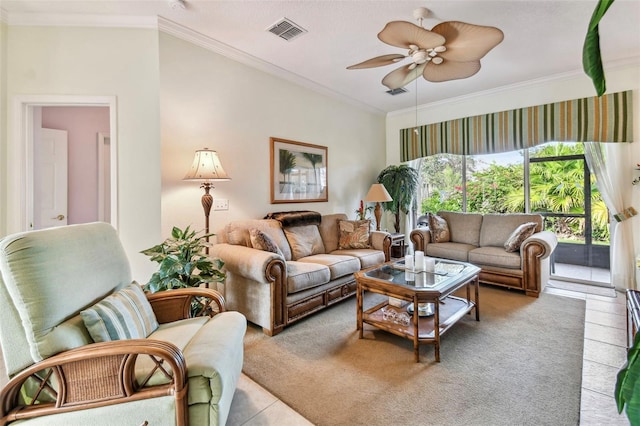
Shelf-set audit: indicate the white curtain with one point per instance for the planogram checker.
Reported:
(609, 162)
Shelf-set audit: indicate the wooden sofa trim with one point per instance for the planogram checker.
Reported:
(533, 252)
(283, 313)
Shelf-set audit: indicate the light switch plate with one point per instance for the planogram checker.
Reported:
(220, 204)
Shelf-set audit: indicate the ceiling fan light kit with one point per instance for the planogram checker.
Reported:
(449, 51)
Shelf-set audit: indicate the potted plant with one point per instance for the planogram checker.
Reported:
(401, 183)
(362, 213)
(183, 262)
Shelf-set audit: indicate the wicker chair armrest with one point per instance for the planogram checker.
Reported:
(92, 376)
(178, 304)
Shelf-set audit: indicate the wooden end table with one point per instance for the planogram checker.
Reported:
(413, 289)
(397, 245)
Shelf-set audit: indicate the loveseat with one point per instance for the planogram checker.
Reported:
(302, 269)
(480, 239)
(64, 289)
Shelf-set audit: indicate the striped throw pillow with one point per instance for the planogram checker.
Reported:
(126, 314)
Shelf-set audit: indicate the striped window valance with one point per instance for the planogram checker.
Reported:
(596, 119)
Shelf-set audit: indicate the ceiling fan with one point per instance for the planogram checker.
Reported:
(451, 50)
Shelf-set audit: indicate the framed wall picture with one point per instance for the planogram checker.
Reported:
(299, 172)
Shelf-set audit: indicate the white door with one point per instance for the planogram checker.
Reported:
(50, 179)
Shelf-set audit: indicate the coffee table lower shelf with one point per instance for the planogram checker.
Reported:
(451, 310)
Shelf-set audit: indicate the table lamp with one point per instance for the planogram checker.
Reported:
(206, 167)
(377, 194)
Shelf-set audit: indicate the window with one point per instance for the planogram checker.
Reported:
(551, 179)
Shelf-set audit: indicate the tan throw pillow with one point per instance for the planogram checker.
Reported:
(518, 236)
(439, 229)
(354, 234)
(304, 241)
(261, 241)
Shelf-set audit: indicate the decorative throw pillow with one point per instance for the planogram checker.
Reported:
(439, 229)
(262, 241)
(518, 236)
(354, 234)
(126, 314)
(304, 241)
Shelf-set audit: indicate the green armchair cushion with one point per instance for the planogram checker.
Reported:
(126, 314)
(38, 266)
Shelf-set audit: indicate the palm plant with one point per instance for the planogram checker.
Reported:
(287, 164)
(314, 159)
(401, 183)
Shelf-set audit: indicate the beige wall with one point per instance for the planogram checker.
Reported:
(3, 124)
(210, 101)
(98, 62)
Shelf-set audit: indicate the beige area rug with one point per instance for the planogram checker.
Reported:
(521, 364)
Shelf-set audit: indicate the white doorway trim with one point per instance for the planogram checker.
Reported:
(20, 154)
(104, 141)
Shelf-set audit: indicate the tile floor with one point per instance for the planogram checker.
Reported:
(604, 353)
(576, 273)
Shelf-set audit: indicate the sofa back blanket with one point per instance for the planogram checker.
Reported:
(296, 218)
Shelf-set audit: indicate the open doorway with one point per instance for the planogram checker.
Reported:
(91, 170)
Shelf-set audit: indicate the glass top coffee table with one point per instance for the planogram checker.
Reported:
(421, 305)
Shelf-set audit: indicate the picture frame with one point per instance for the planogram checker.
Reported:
(299, 172)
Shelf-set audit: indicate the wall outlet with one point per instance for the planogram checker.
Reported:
(220, 204)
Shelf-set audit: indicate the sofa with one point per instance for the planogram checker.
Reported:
(481, 239)
(307, 266)
(83, 344)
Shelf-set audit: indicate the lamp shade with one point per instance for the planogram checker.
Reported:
(377, 194)
(206, 166)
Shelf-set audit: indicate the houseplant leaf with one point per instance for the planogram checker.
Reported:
(401, 182)
(591, 58)
(182, 262)
(627, 390)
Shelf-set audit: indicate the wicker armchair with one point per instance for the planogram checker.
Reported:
(59, 376)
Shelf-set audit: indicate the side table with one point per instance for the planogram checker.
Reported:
(397, 245)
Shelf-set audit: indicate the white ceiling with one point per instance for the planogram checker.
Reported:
(542, 39)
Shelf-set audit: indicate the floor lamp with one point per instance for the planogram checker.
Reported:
(206, 167)
(377, 194)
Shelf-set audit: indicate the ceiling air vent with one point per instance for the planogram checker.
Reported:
(394, 92)
(286, 29)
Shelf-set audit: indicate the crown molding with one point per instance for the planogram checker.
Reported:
(206, 42)
(67, 20)
(612, 66)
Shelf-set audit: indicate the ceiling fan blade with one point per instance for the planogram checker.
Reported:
(402, 76)
(467, 42)
(403, 34)
(378, 61)
(450, 70)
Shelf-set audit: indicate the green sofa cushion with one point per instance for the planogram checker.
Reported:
(126, 314)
